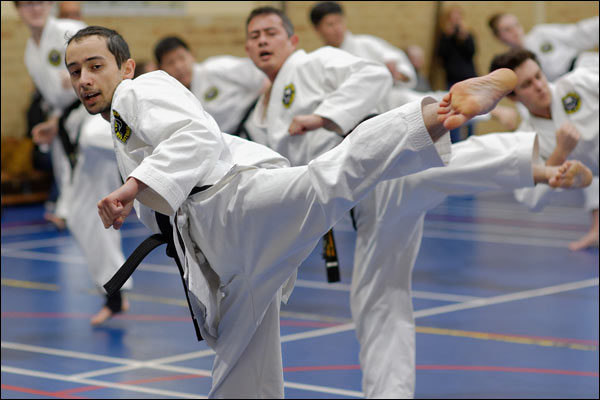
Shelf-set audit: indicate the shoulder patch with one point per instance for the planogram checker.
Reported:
(571, 102)
(122, 131)
(289, 92)
(211, 93)
(546, 47)
(54, 57)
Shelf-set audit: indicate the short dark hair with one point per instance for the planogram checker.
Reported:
(287, 24)
(493, 22)
(512, 59)
(168, 44)
(114, 41)
(322, 9)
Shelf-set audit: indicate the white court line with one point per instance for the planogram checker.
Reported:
(93, 382)
(300, 336)
(527, 294)
(492, 238)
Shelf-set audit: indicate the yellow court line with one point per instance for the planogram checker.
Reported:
(505, 338)
(29, 285)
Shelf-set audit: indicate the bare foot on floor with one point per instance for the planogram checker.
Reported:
(475, 96)
(590, 239)
(571, 174)
(57, 221)
(105, 313)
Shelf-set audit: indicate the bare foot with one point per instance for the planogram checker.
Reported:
(57, 221)
(571, 174)
(101, 316)
(105, 313)
(475, 96)
(590, 239)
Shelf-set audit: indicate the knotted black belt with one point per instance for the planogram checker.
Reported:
(133, 261)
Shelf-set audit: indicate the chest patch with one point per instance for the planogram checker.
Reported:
(122, 131)
(571, 102)
(546, 47)
(54, 57)
(211, 93)
(289, 92)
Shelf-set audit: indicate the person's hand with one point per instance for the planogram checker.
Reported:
(567, 137)
(304, 123)
(114, 208)
(396, 75)
(45, 132)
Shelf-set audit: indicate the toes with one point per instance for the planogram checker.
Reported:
(454, 121)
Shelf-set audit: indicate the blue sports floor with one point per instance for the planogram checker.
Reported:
(503, 310)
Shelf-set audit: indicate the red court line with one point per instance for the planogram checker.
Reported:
(132, 382)
(39, 392)
(308, 324)
(145, 317)
(134, 317)
(505, 369)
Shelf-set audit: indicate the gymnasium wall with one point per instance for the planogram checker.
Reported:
(213, 28)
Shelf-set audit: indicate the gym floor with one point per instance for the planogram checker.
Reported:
(503, 310)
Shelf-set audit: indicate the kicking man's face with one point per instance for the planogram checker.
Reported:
(94, 73)
(268, 44)
(179, 63)
(332, 29)
(532, 88)
(510, 31)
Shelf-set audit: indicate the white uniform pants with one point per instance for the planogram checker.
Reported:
(96, 174)
(389, 233)
(256, 226)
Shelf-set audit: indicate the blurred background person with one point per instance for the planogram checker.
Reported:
(70, 10)
(456, 48)
(556, 46)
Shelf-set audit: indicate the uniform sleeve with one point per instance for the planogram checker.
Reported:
(186, 142)
(582, 35)
(358, 87)
(240, 71)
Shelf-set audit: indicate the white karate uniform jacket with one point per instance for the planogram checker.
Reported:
(246, 235)
(227, 86)
(327, 82)
(557, 45)
(575, 98)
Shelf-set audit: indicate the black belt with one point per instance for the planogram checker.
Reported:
(69, 147)
(149, 244)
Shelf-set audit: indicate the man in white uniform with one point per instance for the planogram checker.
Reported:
(328, 20)
(235, 280)
(384, 256)
(227, 86)
(86, 174)
(565, 115)
(556, 46)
